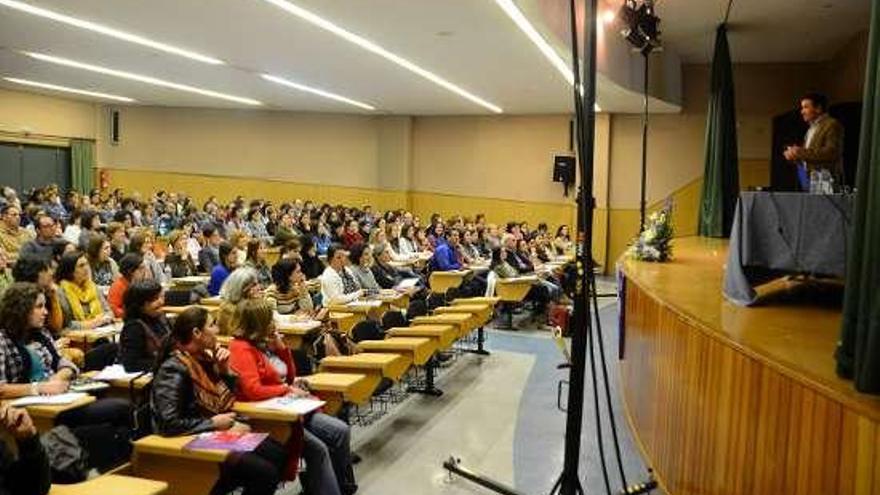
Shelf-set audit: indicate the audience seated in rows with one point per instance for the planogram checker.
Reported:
(135, 246)
(193, 393)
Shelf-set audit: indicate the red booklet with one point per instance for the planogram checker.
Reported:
(226, 440)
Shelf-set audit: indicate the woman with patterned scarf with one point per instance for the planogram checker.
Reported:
(82, 303)
(192, 393)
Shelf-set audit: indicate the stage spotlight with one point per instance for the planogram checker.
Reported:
(639, 25)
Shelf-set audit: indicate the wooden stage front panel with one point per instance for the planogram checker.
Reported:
(731, 400)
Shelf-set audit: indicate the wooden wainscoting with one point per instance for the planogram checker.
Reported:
(713, 417)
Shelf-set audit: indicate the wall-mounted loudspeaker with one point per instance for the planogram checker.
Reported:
(563, 170)
(114, 126)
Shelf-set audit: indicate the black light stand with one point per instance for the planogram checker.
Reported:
(640, 28)
(569, 482)
(645, 54)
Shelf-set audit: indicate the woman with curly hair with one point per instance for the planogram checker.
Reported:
(32, 365)
(289, 291)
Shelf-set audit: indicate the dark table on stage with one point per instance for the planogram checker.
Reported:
(779, 233)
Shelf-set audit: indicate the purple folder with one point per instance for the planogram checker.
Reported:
(226, 440)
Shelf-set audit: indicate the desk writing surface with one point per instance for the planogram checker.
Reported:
(493, 300)
(477, 309)
(44, 415)
(92, 334)
(386, 365)
(361, 361)
(334, 382)
(112, 484)
(52, 411)
(174, 447)
(297, 327)
(420, 348)
(449, 318)
(139, 383)
(444, 334)
(251, 409)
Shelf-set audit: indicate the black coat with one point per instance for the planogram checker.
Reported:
(386, 276)
(173, 402)
(137, 350)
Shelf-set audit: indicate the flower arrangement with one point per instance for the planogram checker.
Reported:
(655, 242)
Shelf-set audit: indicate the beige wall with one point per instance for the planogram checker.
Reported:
(30, 113)
(308, 148)
(500, 157)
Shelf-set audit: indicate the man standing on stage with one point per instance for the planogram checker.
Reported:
(823, 143)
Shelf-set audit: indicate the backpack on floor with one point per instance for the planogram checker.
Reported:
(68, 460)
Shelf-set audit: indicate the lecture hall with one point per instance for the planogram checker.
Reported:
(515, 247)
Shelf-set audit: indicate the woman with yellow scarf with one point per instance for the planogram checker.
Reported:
(82, 304)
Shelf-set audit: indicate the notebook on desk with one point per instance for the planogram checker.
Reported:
(48, 400)
(297, 405)
(226, 440)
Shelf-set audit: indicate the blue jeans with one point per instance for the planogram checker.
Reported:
(327, 452)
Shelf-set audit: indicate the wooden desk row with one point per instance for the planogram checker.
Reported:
(341, 379)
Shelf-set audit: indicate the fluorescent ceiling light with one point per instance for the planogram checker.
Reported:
(526, 27)
(66, 89)
(108, 31)
(368, 45)
(316, 91)
(140, 78)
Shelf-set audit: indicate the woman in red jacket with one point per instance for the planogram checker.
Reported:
(265, 369)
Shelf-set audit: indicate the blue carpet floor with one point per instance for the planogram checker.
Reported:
(540, 430)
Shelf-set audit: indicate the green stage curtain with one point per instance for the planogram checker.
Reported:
(721, 176)
(858, 354)
(82, 165)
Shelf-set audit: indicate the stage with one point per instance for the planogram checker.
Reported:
(732, 400)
